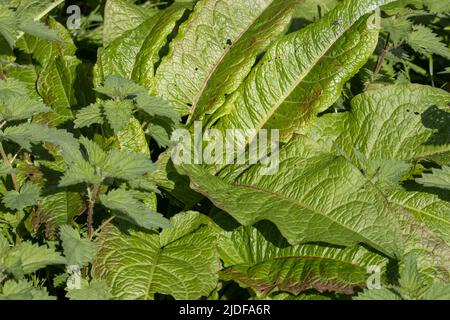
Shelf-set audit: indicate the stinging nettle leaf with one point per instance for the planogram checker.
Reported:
(425, 41)
(27, 257)
(77, 251)
(28, 195)
(94, 290)
(38, 29)
(118, 87)
(156, 106)
(97, 157)
(438, 291)
(89, 115)
(128, 208)
(80, 172)
(440, 178)
(302, 74)
(26, 134)
(121, 16)
(23, 290)
(127, 165)
(8, 25)
(257, 257)
(21, 108)
(118, 113)
(134, 54)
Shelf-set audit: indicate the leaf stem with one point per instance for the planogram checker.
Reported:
(92, 193)
(380, 62)
(9, 164)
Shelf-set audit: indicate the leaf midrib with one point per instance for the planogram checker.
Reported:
(305, 206)
(301, 78)
(419, 210)
(219, 61)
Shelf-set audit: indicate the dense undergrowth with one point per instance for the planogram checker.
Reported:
(92, 207)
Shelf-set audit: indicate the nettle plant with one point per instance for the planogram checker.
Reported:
(93, 207)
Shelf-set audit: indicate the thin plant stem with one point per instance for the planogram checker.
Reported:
(92, 193)
(380, 62)
(7, 162)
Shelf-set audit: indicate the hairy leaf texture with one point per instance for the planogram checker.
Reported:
(99, 165)
(20, 108)
(440, 178)
(23, 290)
(303, 73)
(323, 191)
(134, 54)
(181, 261)
(27, 134)
(215, 49)
(257, 257)
(28, 195)
(127, 207)
(27, 257)
(93, 290)
(77, 251)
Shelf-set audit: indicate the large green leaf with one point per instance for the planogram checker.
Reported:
(64, 84)
(26, 134)
(427, 208)
(216, 48)
(324, 189)
(182, 261)
(58, 208)
(77, 251)
(134, 54)
(27, 257)
(440, 178)
(42, 50)
(261, 259)
(303, 73)
(314, 9)
(121, 16)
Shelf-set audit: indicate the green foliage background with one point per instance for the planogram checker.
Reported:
(93, 208)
